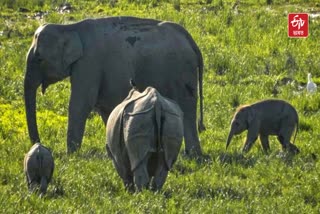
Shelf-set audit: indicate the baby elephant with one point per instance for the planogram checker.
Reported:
(38, 167)
(264, 118)
(144, 136)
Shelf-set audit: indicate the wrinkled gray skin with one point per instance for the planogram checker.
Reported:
(144, 136)
(101, 56)
(38, 167)
(264, 118)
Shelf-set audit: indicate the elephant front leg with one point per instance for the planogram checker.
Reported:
(252, 136)
(265, 143)
(81, 104)
(76, 126)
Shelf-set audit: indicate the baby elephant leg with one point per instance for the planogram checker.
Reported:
(128, 183)
(265, 143)
(141, 175)
(284, 138)
(252, 136)
(33, 186)
(43, 185)
(248, 144)
(160, 174)
(32, 181)
(293, 149)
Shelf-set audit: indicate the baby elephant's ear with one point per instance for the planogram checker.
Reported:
(251, 114)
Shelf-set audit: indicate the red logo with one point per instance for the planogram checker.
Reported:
(298, 25)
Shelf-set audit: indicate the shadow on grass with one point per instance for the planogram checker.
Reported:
(200, 159)
(91, 153)
(208, 192)
(94, 153)
(57, 190)
(238, 159)
(288, 158)
(191, 164)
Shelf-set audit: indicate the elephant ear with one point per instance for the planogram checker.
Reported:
(251, 115)
(73, 49)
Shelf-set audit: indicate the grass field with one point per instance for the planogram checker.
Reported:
(248, 56)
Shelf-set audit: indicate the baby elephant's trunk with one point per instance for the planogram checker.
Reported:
(229, 139)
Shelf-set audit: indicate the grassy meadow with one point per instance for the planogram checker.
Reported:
(247, 55)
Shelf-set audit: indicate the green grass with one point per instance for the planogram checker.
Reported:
(247, 57)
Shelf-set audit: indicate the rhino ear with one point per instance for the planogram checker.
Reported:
(72, 49)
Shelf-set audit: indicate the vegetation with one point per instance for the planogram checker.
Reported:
(248, 56)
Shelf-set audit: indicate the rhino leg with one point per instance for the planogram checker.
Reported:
(160, 174)
(141, 176)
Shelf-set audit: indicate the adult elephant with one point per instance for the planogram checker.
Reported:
(101, 56)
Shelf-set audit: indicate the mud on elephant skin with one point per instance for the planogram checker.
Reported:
(38, 168)
(101, 56)
(144, 136)
(264, 118)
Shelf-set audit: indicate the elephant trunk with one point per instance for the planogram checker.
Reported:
(229, 138)
(31, 82)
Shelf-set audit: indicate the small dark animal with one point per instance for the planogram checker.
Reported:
(38, 167)
(264, 118)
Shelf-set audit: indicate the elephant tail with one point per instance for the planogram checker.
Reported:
(201, 126)
(297, 129)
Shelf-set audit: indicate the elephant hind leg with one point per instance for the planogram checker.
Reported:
(33, 186)
(43, 185)
(293, 149)
(284, 138)
(128, 184)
